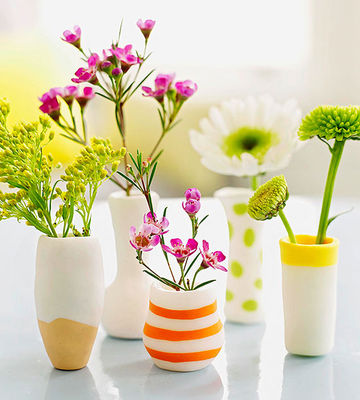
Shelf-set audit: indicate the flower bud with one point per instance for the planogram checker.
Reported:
(269, 199)
(191, 206)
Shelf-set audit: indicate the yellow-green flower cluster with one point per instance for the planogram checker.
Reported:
(25, 167)
(331, 122)
(269, 199)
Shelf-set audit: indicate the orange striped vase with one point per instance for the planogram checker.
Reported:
(183, 331)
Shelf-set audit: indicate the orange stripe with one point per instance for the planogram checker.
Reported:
(183, 357)
(183, 314)
(166, 334)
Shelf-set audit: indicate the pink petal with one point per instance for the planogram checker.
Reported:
(155, 240)
(205, 246)
(221, 268)
(219, 256)
(176, 242)
(192, 244)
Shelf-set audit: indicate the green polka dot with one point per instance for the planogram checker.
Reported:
(229, 295)
(236, 269)
(250, 305)
(240, 208)
(231, 230)
(249, 237)
(258, 283)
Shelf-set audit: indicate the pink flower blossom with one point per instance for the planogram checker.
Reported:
(69, 93)
(145, 239)
(84, 96)
(146, 27)
(185, 89)
(73, 38)
(159, 226)
(191, 206)
(212, 260)
(125, 57)
(93, 60)
(193, 193)
(86, 75)
(179, 250)
(162, 85)
(116, 71)
(51, 105)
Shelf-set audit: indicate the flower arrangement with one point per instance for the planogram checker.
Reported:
(24, 167)
(153, 229)
(248, 137)
(114, 76)
(333, 125)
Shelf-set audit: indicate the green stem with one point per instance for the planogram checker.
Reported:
(48, 220)
(84, 127)
(287, 226)
(193, 282)
(254, 182)
(329, 188)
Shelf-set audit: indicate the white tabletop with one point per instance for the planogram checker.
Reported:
(253, 363)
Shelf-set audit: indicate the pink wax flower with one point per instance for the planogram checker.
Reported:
(191, 206)
(93, 60)
(84, 96)
(69, 93)
(146, 27)
(51, 105)
(162, 85)
(125, 57)
(179, 250)
(116, 71)
(159, 226)
(185, 89)
(212, 260)
(145, 239)
(193, 193)
(73, 38)
(86, 75)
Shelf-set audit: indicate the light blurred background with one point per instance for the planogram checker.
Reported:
(305, 49)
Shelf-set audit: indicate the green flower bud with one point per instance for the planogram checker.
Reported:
(269, 199)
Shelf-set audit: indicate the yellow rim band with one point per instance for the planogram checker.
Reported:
(305, 253)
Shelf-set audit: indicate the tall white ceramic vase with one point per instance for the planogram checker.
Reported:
(126, 299)
(69, 297)
(244, 301)
(309, 278)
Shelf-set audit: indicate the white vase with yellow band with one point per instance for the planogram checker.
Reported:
(244, 297)
(309, 278)
(69, 297)
(183, 331)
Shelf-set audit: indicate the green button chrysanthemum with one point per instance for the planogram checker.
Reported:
(331, 122)
(269, 199)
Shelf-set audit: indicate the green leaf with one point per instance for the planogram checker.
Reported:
(165, 211)
(161, 118)
(204, 283)
(338, 215)
(191, 265)
(106, 97)
(203, 220)
(152, 174)
(128, 179)
(141, 82)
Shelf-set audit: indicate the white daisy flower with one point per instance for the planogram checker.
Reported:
(248, 137)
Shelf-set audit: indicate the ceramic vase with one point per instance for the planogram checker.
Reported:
(309, 277)
(244, 301)
(126, 299)
(69, 296)
(183, 331)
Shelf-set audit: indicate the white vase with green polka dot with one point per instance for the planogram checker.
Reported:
(244, 302)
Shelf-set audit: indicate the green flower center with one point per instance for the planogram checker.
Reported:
(254, 141)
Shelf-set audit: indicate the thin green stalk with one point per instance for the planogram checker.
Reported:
(287, 226)
(194, 278)
(254, 180)
(329, 189)
(84, 127)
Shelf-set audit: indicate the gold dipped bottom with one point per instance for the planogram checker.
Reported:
(68, 343)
